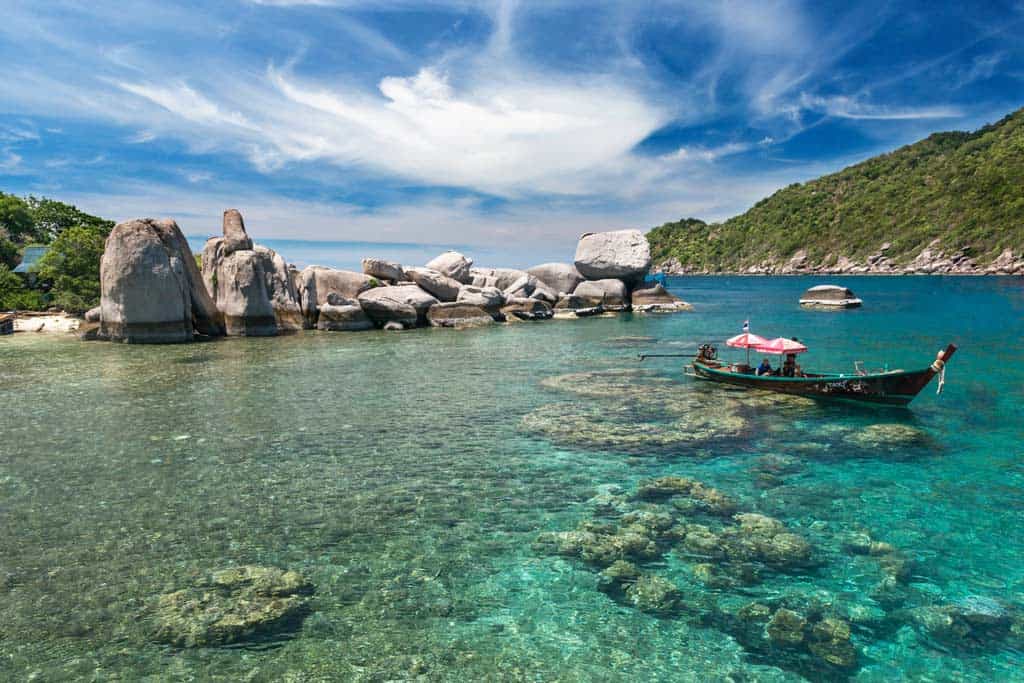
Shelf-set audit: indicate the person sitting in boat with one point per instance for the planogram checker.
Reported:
(765, 368)
(789, 367)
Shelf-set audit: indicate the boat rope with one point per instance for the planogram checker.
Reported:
(939, 366)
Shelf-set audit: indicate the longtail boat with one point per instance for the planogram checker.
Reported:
(891, 388)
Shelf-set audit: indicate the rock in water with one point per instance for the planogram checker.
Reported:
(526, 309)
(458, 314)
(315, 284)
(657, 299)
(623, 254)
(404, 304)
(488, 298)
(233, 605)
(383, 270)
(522, 288)
(502, 278)
(609, 293)
(252, 286)
(454, 265)
(561, 278)
(435, 283)
(348, 317)
(151, 290)
(93, 315)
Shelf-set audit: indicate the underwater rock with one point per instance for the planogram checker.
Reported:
(829, 639)
(786, 627)
(231, 606)
(614, 579)
(972, 624)
(621, 383)
(694, 496)
(888, 435)
(654, 594)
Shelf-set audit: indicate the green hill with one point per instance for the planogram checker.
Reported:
(965, 190)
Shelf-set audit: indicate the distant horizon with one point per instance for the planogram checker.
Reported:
(486, 123)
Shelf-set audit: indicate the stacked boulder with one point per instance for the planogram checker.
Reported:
(154, 291)
(250, 284)
(151, 291)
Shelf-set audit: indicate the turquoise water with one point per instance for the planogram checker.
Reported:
(416, 479)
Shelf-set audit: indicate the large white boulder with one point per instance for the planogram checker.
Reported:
(383, 270)
(490, 299)
(454, 265)
(562, 278)
(609, 293)
(315, 284)
(458, 314)
(623, 254)
(435, 283)
(151, 290)
(387, 304)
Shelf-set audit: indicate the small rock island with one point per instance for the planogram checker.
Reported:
(152, 290)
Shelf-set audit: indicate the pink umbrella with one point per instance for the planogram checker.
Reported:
(747, 340)
(780, 346)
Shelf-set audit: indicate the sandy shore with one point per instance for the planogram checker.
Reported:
(46, 322)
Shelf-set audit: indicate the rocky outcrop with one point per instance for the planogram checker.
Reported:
(609, 293)
(522, 287)
(251, 286)
(394, 303)
(622, 254)
(502, 278)
(93, 315)
(561, 278)
(232, 606)
(454, 265)
(657, 299)
(435, 283)
(151, 290)
(383, 270)
(458, 314)
(346, 316)
(526, 309)
(315, 284)
(490, 299)
(1006, 264)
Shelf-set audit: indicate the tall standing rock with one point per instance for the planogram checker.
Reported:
(250, 283)
(622, 254)
(150, 288)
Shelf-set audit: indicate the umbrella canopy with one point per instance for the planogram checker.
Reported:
(781, 345)
(747, 340)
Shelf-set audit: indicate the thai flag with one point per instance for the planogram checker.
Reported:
(746, 326)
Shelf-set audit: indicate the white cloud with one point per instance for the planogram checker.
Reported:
(851, 108)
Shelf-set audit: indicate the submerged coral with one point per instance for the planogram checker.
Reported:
(231, 606)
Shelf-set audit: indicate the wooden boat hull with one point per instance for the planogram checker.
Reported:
(896, 388)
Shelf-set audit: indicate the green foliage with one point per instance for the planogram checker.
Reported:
(15, 219)
(8, 252)
(965, 189)
(51, 218)
(15, 296)
(72, 267)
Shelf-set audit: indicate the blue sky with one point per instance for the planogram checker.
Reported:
(499, 124)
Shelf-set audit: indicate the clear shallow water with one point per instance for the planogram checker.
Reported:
(408, 476)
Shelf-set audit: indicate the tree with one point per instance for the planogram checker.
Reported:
(16, 219)
(14, 295)
(72, 266)
(51, 218)
(8, 251)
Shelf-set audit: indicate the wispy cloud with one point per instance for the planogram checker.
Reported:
(850, 108)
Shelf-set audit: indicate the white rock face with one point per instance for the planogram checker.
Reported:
(151, 290)
(562, 278)
(458, 314)
(454, 265)
(502, 278)
(609, 292)
(435, 283)
(657, 299)
(623, 254)
(343, 318)
(385, 304)
(315, 284)
(490, 299)
(383, 270)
